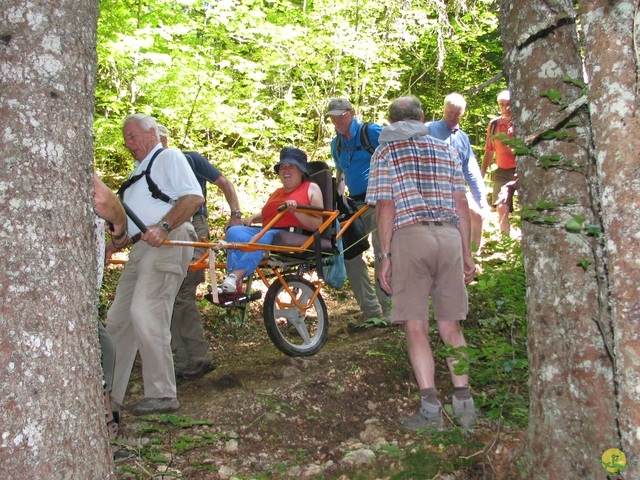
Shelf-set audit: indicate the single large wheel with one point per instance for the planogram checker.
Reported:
(294, 331)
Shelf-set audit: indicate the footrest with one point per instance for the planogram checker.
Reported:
(233, 299)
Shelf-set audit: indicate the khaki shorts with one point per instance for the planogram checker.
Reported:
(427, 262)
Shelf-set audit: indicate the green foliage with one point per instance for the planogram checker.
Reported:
(576, 224)
(238, 80)
(422, 464)
(496, 331)
(557, 135)
(585, 263)
(550, 161)
(534, 216)
(176, 420)
(518, 145)
(554, 96)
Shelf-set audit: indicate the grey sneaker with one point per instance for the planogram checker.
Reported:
(429, 416)
(464, 412)
(156, 405)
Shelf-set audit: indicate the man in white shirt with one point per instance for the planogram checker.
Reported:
(163, 193)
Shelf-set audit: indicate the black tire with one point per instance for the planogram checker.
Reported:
(293, 331)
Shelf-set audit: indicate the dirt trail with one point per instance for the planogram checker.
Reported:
(264, 415)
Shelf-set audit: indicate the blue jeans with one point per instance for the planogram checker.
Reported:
(249, 261)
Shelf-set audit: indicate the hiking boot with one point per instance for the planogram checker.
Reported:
(156, 405)
(120, 454)
(464, 412)
(195, 370)
(229, 284)
(118, 436)
(429, 416)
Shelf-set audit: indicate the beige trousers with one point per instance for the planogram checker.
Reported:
(140, 318)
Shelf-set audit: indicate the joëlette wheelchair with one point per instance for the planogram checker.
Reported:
(294, 312)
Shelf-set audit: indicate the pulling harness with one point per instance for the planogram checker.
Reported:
(153, 186)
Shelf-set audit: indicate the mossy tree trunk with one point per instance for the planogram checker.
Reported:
(51, 409)
(580, 235)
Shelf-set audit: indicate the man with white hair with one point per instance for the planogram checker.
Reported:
(163, 193)
(448, 130)
(417, 187)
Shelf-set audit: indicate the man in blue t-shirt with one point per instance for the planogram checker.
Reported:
(448, 129)
(191, 355)
(352, 161)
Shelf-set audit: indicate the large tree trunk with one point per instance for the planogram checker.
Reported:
(582, 295)
(612, 63)
(51, 407)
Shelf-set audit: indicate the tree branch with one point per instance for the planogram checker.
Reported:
(483, 85)
(568, 112)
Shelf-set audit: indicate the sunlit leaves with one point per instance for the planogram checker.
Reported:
(245, 76)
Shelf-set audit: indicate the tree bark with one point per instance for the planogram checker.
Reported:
(583, 320)
(51, 407)
(611, 61)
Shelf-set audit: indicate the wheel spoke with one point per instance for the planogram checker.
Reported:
(301, 327)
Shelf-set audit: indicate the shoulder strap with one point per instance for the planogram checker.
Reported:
(153, 187)
(365, 141)
(364, 138)
(493, 124)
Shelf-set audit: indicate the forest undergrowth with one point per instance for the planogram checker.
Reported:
(263, 415)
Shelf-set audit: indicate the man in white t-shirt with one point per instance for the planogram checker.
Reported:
(163, 193)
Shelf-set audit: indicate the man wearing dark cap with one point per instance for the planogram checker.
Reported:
(352, 159)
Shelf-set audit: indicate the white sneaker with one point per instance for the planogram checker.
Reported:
(229, 285)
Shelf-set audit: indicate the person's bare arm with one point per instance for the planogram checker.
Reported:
(486, 162)
(309, 222)
(385, 212)
(251, 220)
(489, 152)
(340, 185)
(229, 192)
(109, 207)
(464, 227)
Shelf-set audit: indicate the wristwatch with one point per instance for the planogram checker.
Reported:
(236, 213)
(165, 226)
(384, 255)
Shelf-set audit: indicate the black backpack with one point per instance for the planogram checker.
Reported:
(355, 238)
(365, 142)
